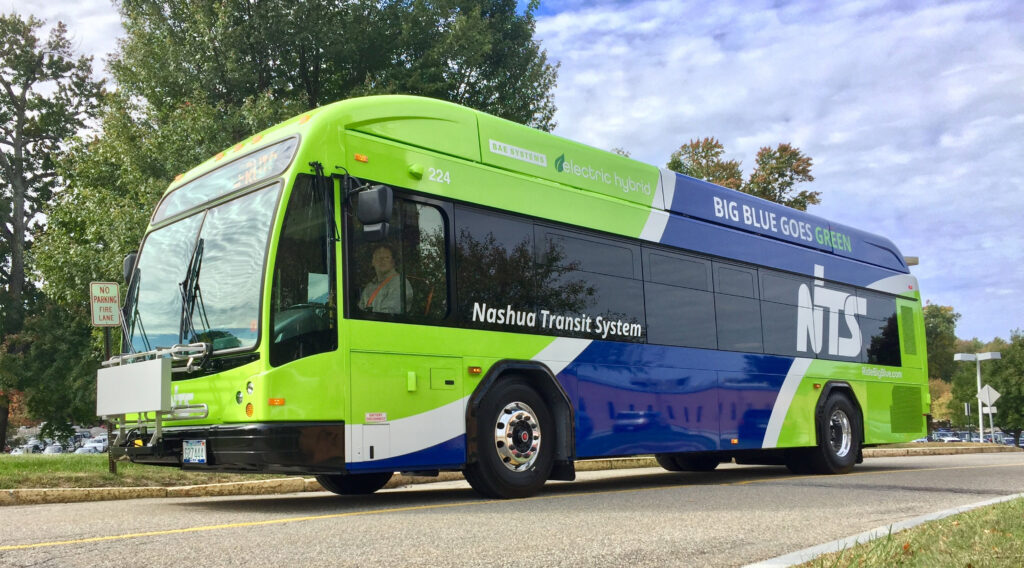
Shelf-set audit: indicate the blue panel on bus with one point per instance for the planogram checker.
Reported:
(446, 455)
(717, 240)
(635, 399)
(706, 201)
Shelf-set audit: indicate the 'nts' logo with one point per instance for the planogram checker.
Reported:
(811, 315)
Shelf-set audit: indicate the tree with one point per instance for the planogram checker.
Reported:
(1007, 377)
(702, 159)
(46, 96)
(774, 178)
(55, 362)
(776, 175)
(940, 336)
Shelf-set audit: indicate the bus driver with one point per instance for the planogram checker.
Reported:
(383, 294)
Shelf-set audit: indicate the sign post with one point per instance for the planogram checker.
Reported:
(989, 396)
(105, 306)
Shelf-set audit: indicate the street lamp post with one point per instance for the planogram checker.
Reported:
(978, 358)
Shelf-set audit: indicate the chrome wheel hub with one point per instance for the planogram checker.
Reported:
(517, 436)
(840, 433)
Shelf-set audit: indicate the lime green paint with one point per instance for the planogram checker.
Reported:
(384, 354)
(396, 165)
(517, 148)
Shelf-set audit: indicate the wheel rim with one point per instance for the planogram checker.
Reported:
(840, 433)
(517, 436)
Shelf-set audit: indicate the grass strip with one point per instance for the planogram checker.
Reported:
(90, 470)
(991, 536)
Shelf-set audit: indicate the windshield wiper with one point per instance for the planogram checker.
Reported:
(191, 296)
(131, 305)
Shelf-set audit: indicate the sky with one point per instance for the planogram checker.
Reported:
(913, 112)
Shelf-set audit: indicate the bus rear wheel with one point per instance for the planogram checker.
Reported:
(840, 433)
(514, 454)
(354, 483)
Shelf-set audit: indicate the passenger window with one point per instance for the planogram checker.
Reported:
(404, 276)
(679, 304)
(737, 309)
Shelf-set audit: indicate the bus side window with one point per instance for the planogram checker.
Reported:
(403, 277)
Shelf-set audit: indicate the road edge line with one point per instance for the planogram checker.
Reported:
(808, 554)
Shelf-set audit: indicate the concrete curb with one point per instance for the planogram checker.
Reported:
(10, 497)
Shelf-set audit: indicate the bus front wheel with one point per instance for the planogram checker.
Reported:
(354, 483)
(514, 445)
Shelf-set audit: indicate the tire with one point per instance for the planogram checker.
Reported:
(696, 462)
(687, 462)
(667, 461)
(514, 444)
(839, 436)
(354, 483)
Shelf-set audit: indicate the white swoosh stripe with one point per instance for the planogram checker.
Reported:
(796, 374)
(561, 352)
(412, 433)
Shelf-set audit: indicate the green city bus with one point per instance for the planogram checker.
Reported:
(399, 284)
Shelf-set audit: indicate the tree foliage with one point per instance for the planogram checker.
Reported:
(702, 159)
(776, 173)
(1007, 378)
(940, 334)
(46, 96)
(53, 361)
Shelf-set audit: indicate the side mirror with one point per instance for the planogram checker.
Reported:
(129, 264)
(373, 209)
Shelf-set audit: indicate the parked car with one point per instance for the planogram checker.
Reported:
(54, 449)
(99, 446)
(87, 449)
(948, 439)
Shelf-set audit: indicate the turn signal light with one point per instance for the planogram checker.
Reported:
(735, 441)
(248, 410)
(362, 158)
(276, 402)
(475, 370)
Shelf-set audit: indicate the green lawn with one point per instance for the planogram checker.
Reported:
(85, 470)
(991, 536)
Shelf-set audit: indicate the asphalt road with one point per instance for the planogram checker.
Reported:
(639, 517)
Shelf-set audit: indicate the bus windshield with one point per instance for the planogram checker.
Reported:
(227, 277)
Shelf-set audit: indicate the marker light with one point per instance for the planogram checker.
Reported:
(257, 138)
(735, 441)
(276, 402)
(248, 410)
(362, 158)
(475, 370)
(179, 176)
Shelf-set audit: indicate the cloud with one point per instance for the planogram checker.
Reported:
(913, 115)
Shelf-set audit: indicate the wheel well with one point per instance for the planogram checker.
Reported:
(837, 387)
(540, 377)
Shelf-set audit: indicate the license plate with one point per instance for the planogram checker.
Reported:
(193, 451)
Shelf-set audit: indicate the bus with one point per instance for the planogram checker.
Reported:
(399, 284)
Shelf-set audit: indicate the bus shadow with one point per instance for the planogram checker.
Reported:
(455, 493)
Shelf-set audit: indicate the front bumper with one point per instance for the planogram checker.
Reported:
(282, 447)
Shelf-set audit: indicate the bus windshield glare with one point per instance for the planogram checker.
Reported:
(227, 289)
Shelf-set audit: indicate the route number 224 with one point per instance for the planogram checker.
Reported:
(440, 176)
